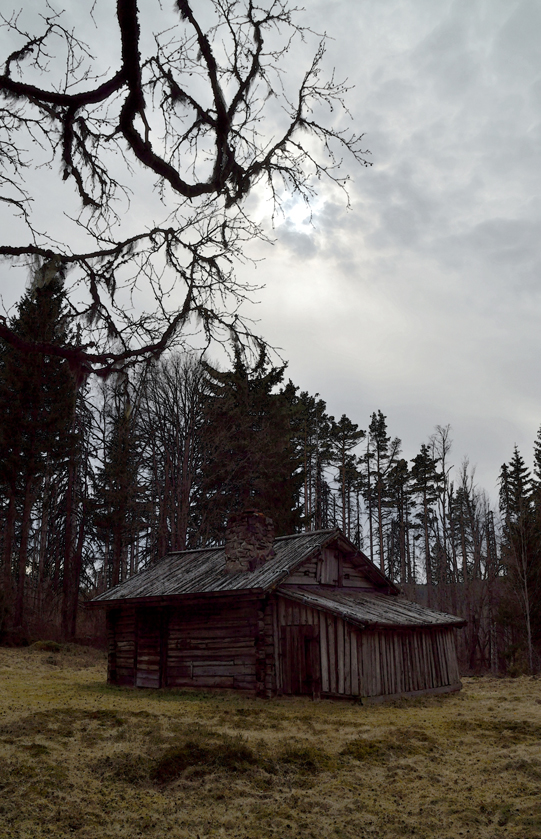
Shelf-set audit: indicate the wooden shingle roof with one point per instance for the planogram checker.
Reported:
(203, 571)
(371, 610)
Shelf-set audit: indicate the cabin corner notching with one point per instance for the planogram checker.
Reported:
(317, 618)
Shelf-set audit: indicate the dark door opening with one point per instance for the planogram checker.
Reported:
(301, 669)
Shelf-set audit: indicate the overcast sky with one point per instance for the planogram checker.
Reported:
(423, 299)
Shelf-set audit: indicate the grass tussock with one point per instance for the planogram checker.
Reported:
(80, 758)
(229, 754)
(208, 754)
(397, 743)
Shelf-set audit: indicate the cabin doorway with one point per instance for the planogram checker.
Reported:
(151, 649)
(301, 668)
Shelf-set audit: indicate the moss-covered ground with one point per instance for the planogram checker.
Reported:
(78, 758)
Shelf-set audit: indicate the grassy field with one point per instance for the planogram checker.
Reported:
(78, 758)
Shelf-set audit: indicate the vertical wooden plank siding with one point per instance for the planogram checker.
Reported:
(368, 663)
(324, 652)
(428, 677)
(378, 687)
(387, 642)
(391, 663)
(451, 653)
(354, 663)
(273, 645)
(416, 664)
(347, 659)
(331, 634)
(442, 668)
(396, 681)
(388, 662)
(364, 664)
(398, 649)
(340, 653)
(408, 661)
(433, 666)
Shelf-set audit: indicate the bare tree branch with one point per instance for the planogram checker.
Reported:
(196, 110)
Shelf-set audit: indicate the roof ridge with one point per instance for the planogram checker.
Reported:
(306, 534)
(220, 547)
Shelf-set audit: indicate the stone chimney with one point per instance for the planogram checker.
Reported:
(248, 541)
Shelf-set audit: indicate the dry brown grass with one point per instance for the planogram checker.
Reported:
(78, 758)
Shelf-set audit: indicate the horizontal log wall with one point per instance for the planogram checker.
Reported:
(270, 650)
(215, 644)
(246, 646)
(151, 624)
(121, 645)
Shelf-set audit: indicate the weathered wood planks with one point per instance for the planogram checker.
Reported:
(356, 662)
(330, 628)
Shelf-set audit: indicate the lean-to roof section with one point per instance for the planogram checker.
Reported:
(203, 571)
(372, 611)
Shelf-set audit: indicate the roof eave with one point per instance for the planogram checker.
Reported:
(367, 624)
(173, 599)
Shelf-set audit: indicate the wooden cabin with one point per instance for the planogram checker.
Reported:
(307, 614)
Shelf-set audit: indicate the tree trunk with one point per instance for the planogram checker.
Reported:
(8, 544)
(68, 552)
(23, 554)
(428, 562)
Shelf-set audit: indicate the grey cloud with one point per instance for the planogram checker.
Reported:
(302, 245)
(516, 49)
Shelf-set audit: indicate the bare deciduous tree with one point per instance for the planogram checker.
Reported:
(197, 113)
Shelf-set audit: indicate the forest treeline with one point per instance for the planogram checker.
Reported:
(98, 479)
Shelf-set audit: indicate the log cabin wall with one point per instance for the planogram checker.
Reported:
(121, 646)
(211, 643)
(321, 654)
(215, 644)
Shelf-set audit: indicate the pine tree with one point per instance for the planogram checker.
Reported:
(77, 511)
(312, 439)
(426, 486)
(381, 454)
(345, 436)
(398, 501)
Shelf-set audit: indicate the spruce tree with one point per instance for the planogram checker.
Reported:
(249, 455)
(37, 398)
(521, 548)
(118, 500)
